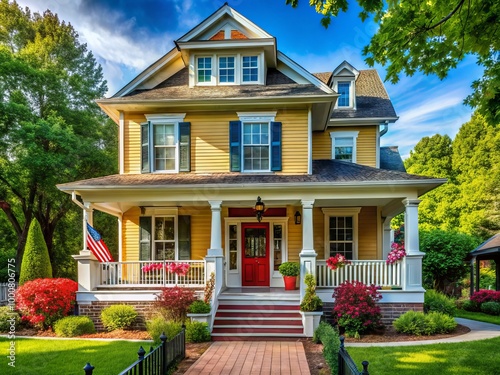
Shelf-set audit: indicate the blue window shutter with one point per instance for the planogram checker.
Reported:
(235, 145)
(184, 146)
(184, 232)
(145, 228)
(145, 152)
(276, 146)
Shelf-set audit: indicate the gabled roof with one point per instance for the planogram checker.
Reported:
(391, 159)
(488, 249)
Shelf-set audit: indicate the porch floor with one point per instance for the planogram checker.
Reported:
(267, 292)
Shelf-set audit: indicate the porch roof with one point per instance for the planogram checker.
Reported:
(489, 249)
(325, 173)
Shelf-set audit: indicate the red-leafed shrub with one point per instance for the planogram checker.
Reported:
(355, 307)
(43, 301)
(173, 303)
(484, 295)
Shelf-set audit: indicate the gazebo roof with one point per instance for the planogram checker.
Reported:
(489, 249)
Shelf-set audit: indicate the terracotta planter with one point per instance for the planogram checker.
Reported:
(290, 282)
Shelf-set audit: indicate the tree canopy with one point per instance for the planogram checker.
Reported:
(51, 130)
(431, 37)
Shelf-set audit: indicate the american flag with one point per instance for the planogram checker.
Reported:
(96, 244)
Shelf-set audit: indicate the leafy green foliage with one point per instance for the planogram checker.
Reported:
(118, 317)
(8, 319)
(487, 278)
(159, 325)
(472, 306)
(417, 323)
(36, 261)
(197, 332)
(435, 301)
(72, 326)
(310, 302)
(289, 269)
(444, 259)
(492, 308)
(329, 337)
(199, 307)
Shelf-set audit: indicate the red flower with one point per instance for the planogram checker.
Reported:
(337, 261)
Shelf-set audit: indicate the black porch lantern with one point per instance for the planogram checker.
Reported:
(298, 218)
(259, 209)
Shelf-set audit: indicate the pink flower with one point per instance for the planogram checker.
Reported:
(337, 261)
(398, 252)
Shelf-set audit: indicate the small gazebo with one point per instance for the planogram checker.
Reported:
(488, 250)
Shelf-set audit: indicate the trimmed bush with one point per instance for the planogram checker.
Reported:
(197, 332)
(36, 260)
(43, 301)
(491, 308)
(199, 307)
(118, 317)
(469, 305)
(329, 337)
(310, 302)
(72, 326)
(417, 323)
(8, 318)
(158, 325)
(435, 301)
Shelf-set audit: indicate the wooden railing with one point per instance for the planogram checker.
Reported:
(154, 273)
(368, 272)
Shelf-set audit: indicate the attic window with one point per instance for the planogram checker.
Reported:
(343, 89)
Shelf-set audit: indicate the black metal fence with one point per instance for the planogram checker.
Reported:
(347, 365)
(158, 361)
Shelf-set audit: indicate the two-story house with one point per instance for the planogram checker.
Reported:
(222, 121)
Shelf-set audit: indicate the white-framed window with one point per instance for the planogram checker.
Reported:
(250, 69)
(204, 69)
(227, 69)
(164, 235)
(165, 143)
(344, 145)
(341, 231)
(343, 89)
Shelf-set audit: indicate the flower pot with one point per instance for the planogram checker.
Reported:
(310, 321)
(290, 282)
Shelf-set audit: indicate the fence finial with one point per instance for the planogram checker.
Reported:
(163, 337)
(342, 338)
(88, 369)
(365, 368)
(141, 353)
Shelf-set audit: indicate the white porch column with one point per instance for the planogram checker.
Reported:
(214, 261)
(308, 254)
(88, 271)
(88, 217)
(387, 237)
(412, 264)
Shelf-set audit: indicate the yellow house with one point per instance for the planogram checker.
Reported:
(225, 121)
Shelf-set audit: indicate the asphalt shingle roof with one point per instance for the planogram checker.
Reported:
(391, 159)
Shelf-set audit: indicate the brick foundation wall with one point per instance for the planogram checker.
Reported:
(390, 311)
(93, 311)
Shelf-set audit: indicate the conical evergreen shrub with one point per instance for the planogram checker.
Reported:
(36, 260)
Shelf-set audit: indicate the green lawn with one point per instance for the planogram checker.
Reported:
(495, 319)
(473, 357)
(68, 357)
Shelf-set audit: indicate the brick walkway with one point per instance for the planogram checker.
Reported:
(252, 357)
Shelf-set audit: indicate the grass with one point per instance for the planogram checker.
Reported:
(473, 357)
(482, 317)
(68, 357)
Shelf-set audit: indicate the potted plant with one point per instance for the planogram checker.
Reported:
(289, 271)
(310, 307)
(200, 310)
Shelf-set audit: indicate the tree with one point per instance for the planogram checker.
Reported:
(51, 129)
(444, 259)
(36, 261)
(431, 37)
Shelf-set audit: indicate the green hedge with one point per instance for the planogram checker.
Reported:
(329, 337)
(118, 317)
(72, 326)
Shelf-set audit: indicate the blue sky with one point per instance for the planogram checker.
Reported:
(126, 36)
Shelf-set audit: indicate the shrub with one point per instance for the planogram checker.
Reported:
(329, 337)
(36, 260)
(43, 301)
(488, 278)
(484, 295)
(8, 318)
(173, 303)
(355, 307)
(197, 332)
(435, 301)
(199, 307)
(118, 317)
(289, 269)
(72, 326)
(310, 302)
(417, 323)
(209, 289)
(158, 325)
(492, 308)
(469, 305)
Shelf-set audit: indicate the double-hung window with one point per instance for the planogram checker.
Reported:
(223, 69)
(165, 237)
(227, 69)
(204, 69)
(341, 231)
(250, 72)
(165, 143)
(344, 145)
(255, 143)
(343, 89)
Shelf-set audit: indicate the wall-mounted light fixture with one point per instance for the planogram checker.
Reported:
(298, 218)
(259, 209)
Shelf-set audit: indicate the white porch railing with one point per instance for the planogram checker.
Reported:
(153, 273)
(376, 272)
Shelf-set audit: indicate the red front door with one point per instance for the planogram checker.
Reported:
(255, 257)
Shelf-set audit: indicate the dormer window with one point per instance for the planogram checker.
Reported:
(343, 89)
(204, 69)
(226, 69)
(250, 69)
(344, 83)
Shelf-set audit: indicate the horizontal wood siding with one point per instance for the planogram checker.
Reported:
(201, 218)
(367, 233)
(365, 147)
(132, 143)
(294, 140)
(294, 235)
(130, 226)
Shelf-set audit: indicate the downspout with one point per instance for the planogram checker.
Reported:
(380, 134)
(121, 149)
(309, 141)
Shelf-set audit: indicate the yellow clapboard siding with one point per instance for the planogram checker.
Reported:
(200, 230)
(132, 142)
(294, 141)
(294, 235)
(130, 227)
(367, 233)
(365, 147)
